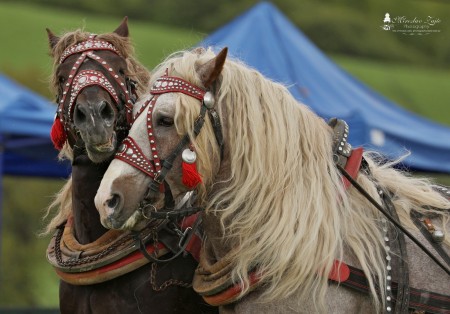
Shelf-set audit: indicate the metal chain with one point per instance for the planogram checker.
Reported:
(166, 284)
(83, 260)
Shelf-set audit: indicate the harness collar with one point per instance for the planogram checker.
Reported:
(115, 253)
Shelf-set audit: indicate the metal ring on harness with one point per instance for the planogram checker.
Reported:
(143, 211)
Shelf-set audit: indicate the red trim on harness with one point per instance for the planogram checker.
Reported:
(353, 165)
(339, 272)
(231, 294)
(195, 244)
(130, 262)
(109, 271)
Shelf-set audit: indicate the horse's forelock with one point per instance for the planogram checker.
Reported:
(136, 70)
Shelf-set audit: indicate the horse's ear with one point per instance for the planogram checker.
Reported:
(211, 70)
(52, 38)
(122, 30)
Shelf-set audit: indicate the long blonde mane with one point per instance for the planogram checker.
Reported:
(283, 203)
(135, 70)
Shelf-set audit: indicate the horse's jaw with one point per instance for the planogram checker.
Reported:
(121, 190)
(102, 152)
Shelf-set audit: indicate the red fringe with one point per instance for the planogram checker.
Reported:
(57, 134)
(191, 178)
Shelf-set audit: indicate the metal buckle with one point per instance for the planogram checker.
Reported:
(156, 178)
(184, 236)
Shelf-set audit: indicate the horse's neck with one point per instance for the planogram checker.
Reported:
(86, 177)
(216, 246)
(215, 239)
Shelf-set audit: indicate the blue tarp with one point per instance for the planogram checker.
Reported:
(25, 122)
(266, 40)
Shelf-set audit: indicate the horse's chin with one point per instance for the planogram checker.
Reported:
(135, 222)
(102, 152)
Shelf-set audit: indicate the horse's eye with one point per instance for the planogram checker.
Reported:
(165, 121)
(122, 72)
(61, 79)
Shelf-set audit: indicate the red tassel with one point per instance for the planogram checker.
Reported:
(57, 134)
(191, 178)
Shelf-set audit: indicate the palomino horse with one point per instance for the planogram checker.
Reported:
(97, 80)
(285, 232)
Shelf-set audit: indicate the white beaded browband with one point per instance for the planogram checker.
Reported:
(90, 44)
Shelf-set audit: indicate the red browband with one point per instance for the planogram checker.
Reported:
(129, 151)
(173, 84)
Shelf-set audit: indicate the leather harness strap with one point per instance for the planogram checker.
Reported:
(416, 218)
(421, 300)
(398, 259)
(341, 273)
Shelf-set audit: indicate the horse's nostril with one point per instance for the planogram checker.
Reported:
(113, 201)
(79, 117)
(106, 111)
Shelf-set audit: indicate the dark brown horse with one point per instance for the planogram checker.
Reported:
(97, 81)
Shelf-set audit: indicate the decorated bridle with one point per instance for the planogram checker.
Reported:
(157, 169)
(78, 80)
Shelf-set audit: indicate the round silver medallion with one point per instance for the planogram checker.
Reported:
(188, 156)
(208, 100)
(438, 236)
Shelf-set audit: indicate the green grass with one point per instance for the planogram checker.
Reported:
(421, 90)
(23, 32)
(24, 53)
(25, 276)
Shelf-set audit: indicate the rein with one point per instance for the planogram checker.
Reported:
(392, 220)
(78, 80)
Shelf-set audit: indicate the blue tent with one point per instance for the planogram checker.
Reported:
(266, 40)
(25, 122)
(25, 146)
